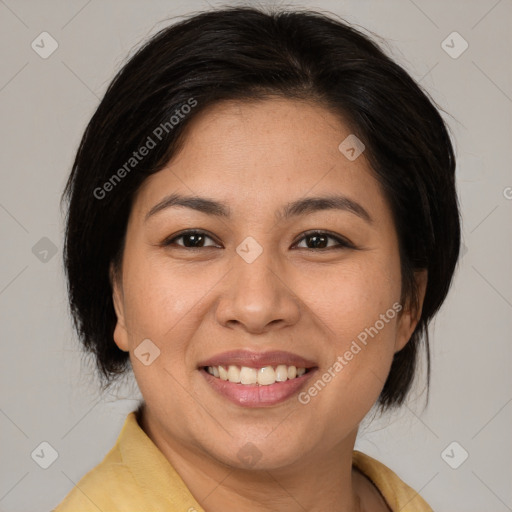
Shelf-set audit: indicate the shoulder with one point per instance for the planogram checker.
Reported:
(105, 487)
(134, 475)
(398, 495)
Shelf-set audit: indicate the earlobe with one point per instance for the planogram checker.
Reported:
(412, 312)
(120, 332)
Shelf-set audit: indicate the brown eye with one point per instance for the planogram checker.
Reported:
(195, 239)
(320, 240)
(191, 240)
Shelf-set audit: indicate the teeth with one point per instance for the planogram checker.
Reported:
(281, 373)
(266, 376)
(223, 374)
(248, 375)
(234, 374)
(262, 376)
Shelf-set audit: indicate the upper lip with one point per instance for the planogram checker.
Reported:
(257, 359)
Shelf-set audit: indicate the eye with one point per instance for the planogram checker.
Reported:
(196, 239)
(192, 239)
(320, 240)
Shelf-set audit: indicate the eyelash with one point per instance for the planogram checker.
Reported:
(342, 242)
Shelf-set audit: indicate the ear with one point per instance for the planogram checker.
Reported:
(410, 315)
(120, 331)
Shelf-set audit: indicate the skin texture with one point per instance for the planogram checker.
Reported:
(195, 303)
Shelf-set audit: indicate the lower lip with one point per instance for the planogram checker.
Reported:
(252, 395)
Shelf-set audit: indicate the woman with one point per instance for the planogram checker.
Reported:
(262, 222)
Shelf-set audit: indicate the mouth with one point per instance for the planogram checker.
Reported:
(264, 376)
(257, 379)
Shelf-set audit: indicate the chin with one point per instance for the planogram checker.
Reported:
(257, 452)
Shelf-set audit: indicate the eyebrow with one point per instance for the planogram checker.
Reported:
(293, 209)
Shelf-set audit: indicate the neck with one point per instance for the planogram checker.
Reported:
(317, 482)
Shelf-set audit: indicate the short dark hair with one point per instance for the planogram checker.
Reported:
(244, 53)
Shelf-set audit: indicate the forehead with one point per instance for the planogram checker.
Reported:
(261, 154)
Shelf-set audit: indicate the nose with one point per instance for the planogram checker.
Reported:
(257, 297)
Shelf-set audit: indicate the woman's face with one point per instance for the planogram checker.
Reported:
(250, 288)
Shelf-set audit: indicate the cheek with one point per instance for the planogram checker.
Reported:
(166, 302)
(162, 304)
(351, 297)
(358, 308)
(160, 296)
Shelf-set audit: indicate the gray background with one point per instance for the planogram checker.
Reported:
(48, 391)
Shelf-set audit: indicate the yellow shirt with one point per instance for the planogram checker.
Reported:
(136, 477)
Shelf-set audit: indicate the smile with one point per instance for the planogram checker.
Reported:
(254, 394)
(265, 376)
(257, 379)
